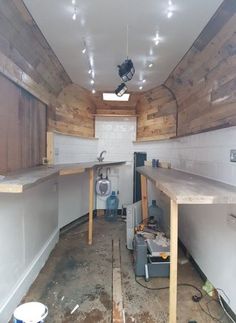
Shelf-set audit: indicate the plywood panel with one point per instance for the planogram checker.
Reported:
(23, 128)
(204, 82)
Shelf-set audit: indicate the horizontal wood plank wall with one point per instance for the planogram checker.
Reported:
(22, 128)
(204, 82)
(72, 112)
(116, 108)
(23, 43)
(156, 111)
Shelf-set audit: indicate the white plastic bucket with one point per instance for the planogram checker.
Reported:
(32, 312)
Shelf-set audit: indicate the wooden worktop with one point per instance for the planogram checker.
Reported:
(185, 188)
(18, 182)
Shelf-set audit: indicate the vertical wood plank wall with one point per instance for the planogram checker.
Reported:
(204, 82)
(22, 128)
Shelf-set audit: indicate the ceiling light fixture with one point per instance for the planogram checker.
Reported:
(90, 71)
(169, 14)
(150, 65)
(144, 81)
(126, 69)
(74, 16)
(114, 97)
(73, 2)
(84, 50)
(157, 39)
(121, 89)
(93, 91)
(140, 88)
(92, 82)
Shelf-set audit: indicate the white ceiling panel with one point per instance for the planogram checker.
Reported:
(102, 25)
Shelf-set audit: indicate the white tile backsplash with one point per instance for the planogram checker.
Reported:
(70, 149)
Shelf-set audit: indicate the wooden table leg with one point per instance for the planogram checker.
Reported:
(144, 197)
(91, 201)
(173, 261)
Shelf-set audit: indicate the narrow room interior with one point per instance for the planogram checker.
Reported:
(117, 161)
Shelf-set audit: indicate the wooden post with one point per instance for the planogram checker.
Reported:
(144, 197)
(173, 261)
(117, 309)
(50, 148)
(91, 200)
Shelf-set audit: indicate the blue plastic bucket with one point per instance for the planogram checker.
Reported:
(32, 312)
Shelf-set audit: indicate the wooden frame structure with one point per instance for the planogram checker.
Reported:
(182, 188)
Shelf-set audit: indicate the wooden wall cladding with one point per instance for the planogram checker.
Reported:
(22, 128)
(72, 112)
(116, 108)
(204, 82)
(156, 111)
(23, 43)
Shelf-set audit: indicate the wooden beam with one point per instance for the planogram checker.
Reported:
(173, 261)
(117, 309)
(50, 148)
(91, 202)
(144, 197)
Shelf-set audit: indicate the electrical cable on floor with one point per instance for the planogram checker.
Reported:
(198, 299)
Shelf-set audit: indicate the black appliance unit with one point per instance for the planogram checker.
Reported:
(139, 158)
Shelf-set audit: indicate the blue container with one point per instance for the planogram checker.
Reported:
(112, 203)
(156, 213)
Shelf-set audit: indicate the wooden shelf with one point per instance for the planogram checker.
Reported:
(20, 181)
(186, 188)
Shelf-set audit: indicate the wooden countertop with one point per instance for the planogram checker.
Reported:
(186, 188)
(18, 182)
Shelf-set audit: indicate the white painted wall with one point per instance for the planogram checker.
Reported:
(28, 233)
(204, 229)
(73, 189)
(116, 136)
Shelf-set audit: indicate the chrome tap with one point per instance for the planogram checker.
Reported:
(101, 158)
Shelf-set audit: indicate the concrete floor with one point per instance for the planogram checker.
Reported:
(80, 274)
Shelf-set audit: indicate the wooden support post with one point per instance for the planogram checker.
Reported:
(50, 148)
(91, 201)
(144, 197)
(173, 261)
(117, 308)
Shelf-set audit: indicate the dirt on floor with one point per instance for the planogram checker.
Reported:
(79, 275)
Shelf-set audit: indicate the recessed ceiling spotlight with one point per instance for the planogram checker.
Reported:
(73, 2)
(157, 39)
(151, 52)
(144, 81)
(74, 16)
(169, 2)
(169, 14)
(92, 81)
(140, 88)
(150, 65)
(93, 91)
(90, 71)
(84, 50)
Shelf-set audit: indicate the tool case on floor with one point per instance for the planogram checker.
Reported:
(148, 259)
